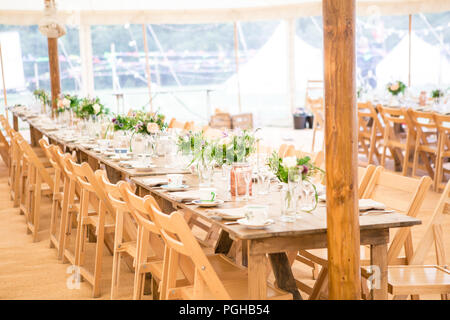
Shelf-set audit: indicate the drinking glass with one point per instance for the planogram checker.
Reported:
(264, 177)
(306, 200)
(205, 173)
(226, 171)
(247, 175)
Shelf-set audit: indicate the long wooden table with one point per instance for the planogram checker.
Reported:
(277, 244)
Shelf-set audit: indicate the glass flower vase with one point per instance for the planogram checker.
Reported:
(288, 202)
(241, 179)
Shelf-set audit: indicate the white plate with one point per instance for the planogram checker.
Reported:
(174, 188)
(207, 204)
(244, 222)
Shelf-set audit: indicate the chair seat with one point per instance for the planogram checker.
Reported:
(235, 280)
(156, 269)
(238, 290)
(406, 280)
(93, 220)
(431, 148)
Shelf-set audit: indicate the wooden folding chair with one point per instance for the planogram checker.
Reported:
(426, 145)
(443, 150)
(318, 158)
(70, 208)
(148, 241)
(17, 171)
(39, 183)
(286, 151)
(316, 107)
(175, 124)
(370, 131)
(189, 126)
(415, 278)
(92, 195)
(121, 246)
(282, 150)
(4, 147)
(216, 277)
(404, 195)
(242, 121)
(392, 139)
(59, 188)
(220, 121)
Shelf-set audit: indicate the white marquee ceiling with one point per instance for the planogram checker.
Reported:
(25, 12)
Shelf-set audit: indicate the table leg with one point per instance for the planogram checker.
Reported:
(283, 274)
(378, 258)
(257, 282)
(223, 244)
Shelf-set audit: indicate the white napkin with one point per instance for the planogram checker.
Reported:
(153, 182)
(369, 204)
(234, 213)
(185, 195)
(364, 204)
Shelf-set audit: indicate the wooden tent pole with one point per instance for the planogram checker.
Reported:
(343, 233)
(236, 56)
(53, 62)
(409, 51)
(4, 84)
(147, 66)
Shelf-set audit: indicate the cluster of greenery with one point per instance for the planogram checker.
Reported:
(438, 93)
(236, 147)
(230, 148)
(89, 107)
(83, 108)
(42, 96)
(302, 166)
(138, 122)
(396, 88)
(68, 102)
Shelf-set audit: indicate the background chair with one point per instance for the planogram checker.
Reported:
(443, 150)
(370, 131)
(393, 140)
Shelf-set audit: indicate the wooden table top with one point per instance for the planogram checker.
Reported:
(306, 223)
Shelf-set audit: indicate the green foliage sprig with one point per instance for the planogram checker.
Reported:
(89, 107)
(138, 121)
(438, 93)
(234, 147)
(42, 96)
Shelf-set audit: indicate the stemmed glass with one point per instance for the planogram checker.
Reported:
(247, 175)
(264, 177)
(205, 173)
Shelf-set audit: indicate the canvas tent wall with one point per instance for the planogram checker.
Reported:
(429, 67)
(267, 72)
